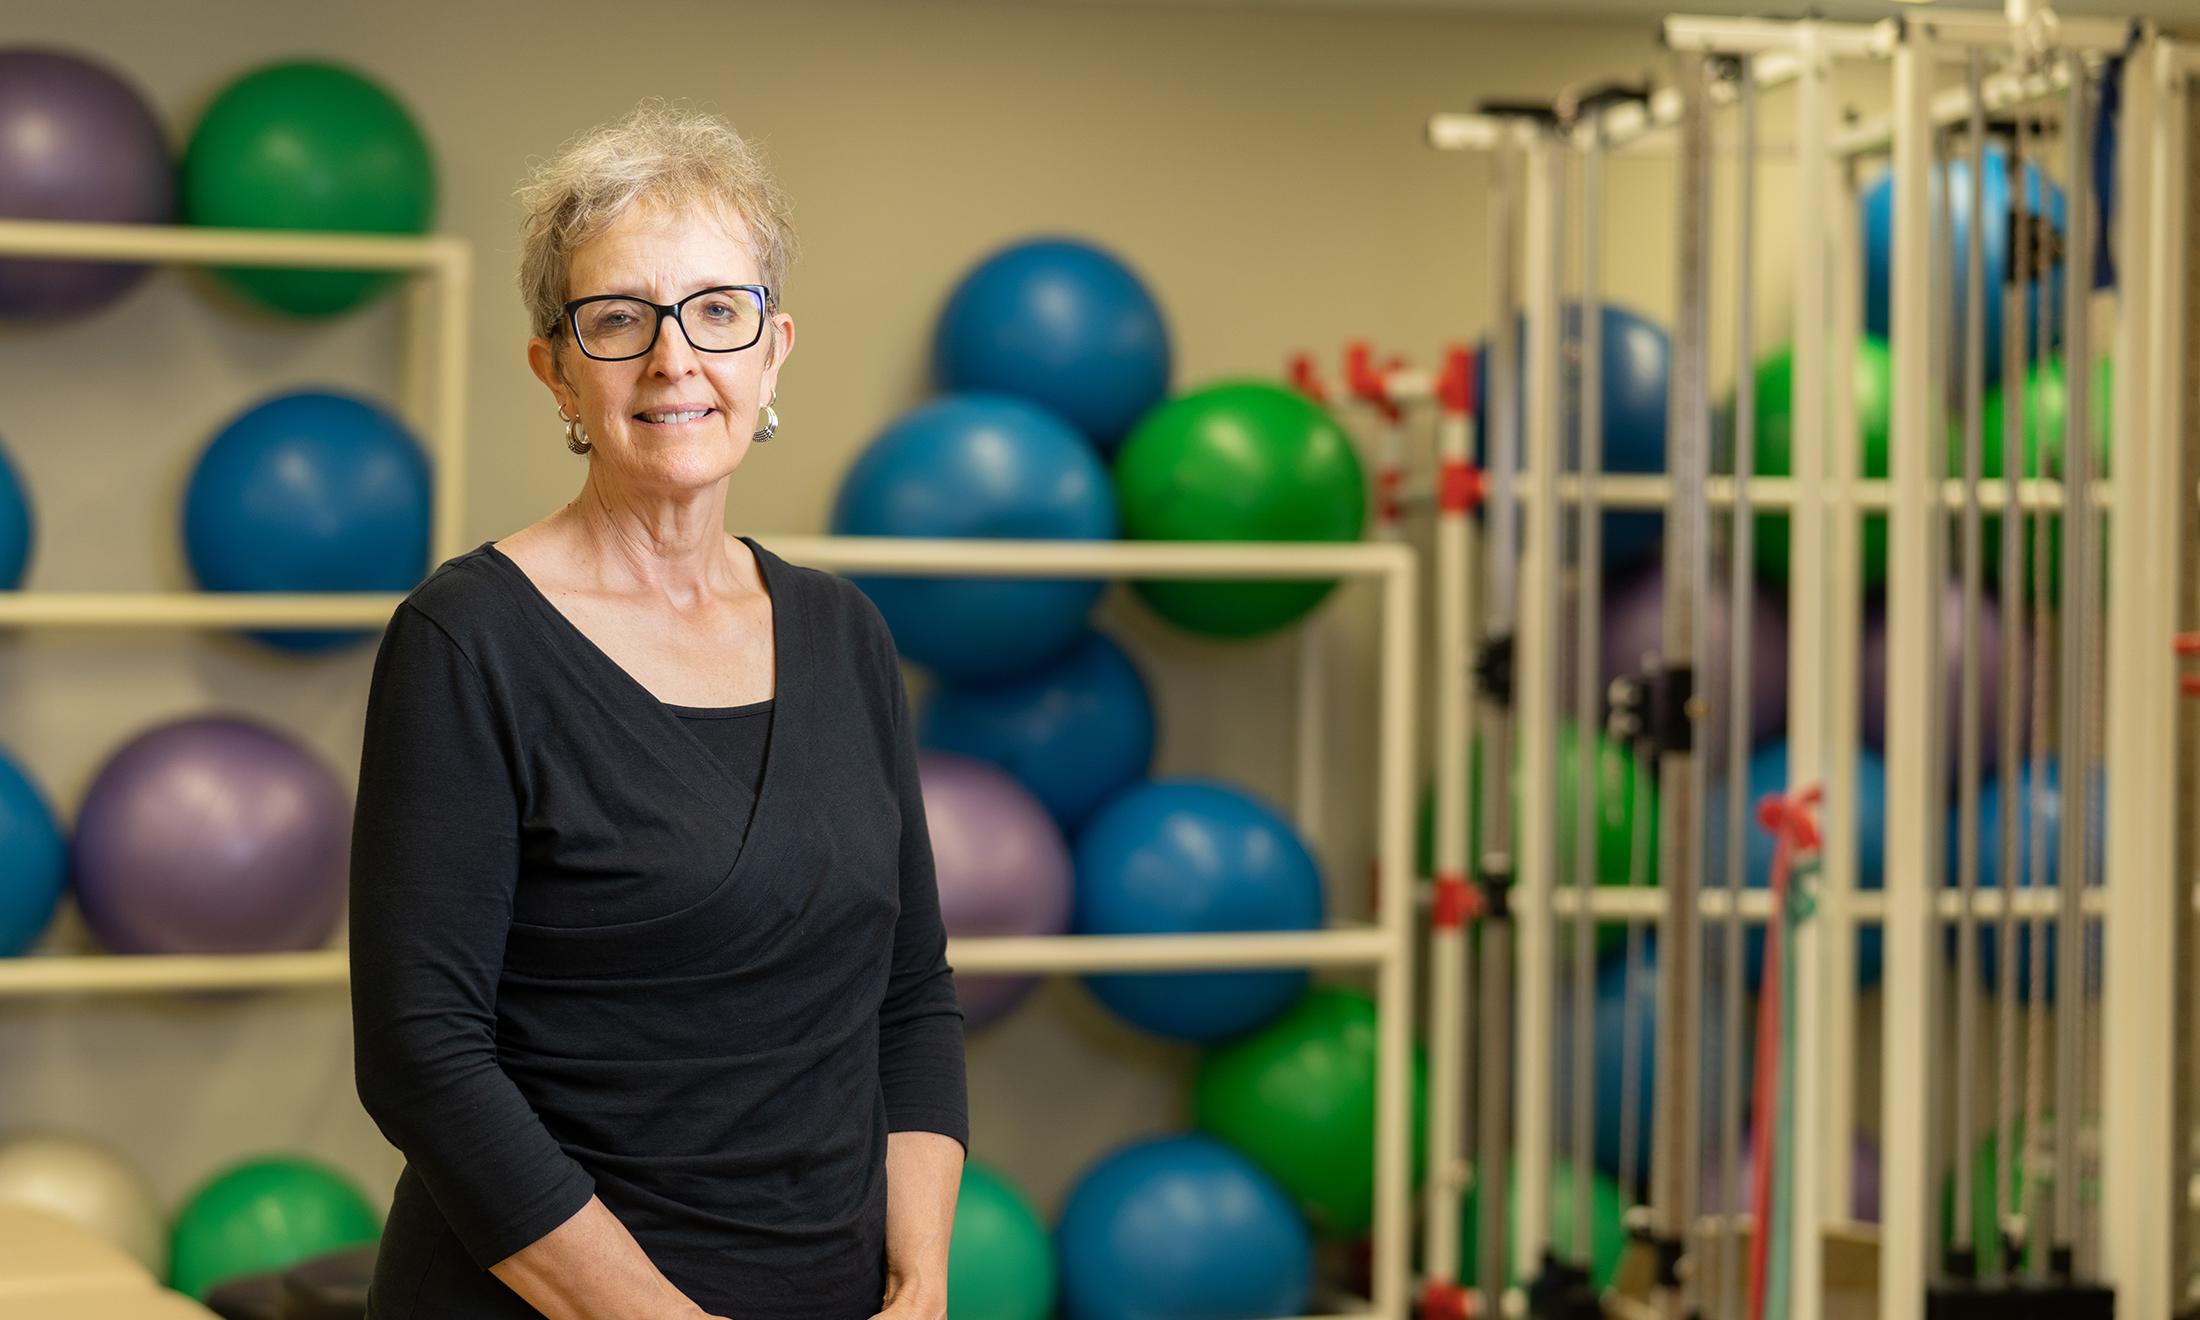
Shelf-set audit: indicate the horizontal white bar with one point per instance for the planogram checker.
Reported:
(1866, 905)
(1875, 133)
(1467, 132)
(1096, 559)
(1767, 36)
(187, 609)
(1637, 491)
(1351, 946)
(188, 245)
(1952, 33)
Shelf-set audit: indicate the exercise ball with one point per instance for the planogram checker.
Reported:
(1863, 1178)
(1194, 856)
(1075, 732)
(2046, 802)
(1238, 461)
(1624, 792)
(2035, 1161)
(266, 1214)
(978, 466)
(1774, 443)
(34, 860)
(1874, 660)
(312, 492)
(1636, 369)
(2046, 395)
(1061, 324)
(1878, 203)
(1632, 627)
(1297, 1097)
(308, 145)
(90, 1186)
(1002, 869)
(18, 526)
(1000, 1261)
(213, 835)
(1619, 997)
(77, 142)
(1182, 1228)
(1768, 773)
(1607, 1231)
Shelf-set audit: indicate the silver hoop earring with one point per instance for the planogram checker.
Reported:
(770, 427)
(576, 435)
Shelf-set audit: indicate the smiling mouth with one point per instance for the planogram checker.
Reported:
(674, 421)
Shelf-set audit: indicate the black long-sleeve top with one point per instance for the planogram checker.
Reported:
(588, 958)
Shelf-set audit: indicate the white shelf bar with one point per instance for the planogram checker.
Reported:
(1619, 490)
(191, 245)
(194, 609)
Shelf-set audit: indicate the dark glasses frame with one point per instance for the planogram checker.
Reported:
(761, 293)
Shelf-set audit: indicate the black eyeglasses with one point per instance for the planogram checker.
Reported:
(613, 327)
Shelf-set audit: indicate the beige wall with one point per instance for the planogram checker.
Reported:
(1264, 173)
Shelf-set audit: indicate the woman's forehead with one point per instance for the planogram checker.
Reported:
(664, 252)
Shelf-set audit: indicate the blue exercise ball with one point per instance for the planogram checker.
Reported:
(979, 465)
(1637, 364)
(1182, 1228)
(1615, 992)
(1194, 856)
(1061, 324)
(1768, 773)
(1879, 254)
(18, 528)
(309, 492)
(1074, 733)
(2046, 803)
(34, 863)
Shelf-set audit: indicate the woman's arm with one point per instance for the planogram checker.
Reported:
(434, 863)
(923, 1178)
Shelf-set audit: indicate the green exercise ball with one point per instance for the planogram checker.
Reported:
(1775, 440)
(1607, 1231)
(1000, 1261)
(311, 146)
(1298, 1098)
(265, 1214)
(1622, 787)
(1985, 1228)
(1239, 461)
(2045, 398)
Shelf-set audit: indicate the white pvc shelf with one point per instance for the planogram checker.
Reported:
(191, 245)
(194, 609)
(104, 974)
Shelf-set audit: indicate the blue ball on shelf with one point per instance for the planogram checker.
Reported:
(34, 866)
(18, 527)
(309, 492)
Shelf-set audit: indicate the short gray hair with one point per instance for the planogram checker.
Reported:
(660, 154)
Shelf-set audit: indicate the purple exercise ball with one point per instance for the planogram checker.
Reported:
(1002, 865)
(1989, 677)
(76, 143)
(1863, 1178)
(1634, 626)
(213, 835)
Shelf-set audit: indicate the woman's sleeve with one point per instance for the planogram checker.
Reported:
(920, 1048)
(434, 860)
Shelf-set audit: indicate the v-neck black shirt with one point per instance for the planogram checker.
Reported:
(597, 949)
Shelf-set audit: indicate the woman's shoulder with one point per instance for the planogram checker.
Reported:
(468, 598)
(837, 608)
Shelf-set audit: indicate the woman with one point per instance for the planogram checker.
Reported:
(648, 976)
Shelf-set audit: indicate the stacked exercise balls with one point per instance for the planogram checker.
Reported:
(308, 145)
(266, 1214)
(77, 143)
(18, 526)
(1183, 856)
(1774, 438)
(212, 835)
(312, 492)
(34, 860)
(1001, 865)
(1000, 1260)
(90, 1186)
(1059, 323)
(979, 466)
(1183, 1226)
(1239, 461)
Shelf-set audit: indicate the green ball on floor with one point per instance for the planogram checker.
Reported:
(265, 1214)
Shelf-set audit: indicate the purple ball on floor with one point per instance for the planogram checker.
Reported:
(1633, 626)
(1002, 866)
(213, 835)
(1874, 660)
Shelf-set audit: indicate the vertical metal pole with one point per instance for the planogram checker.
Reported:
(1588, 697)
(1537, 720)
(2142, 1195)
(1397, 703)
(1913, 609)
(1678, 1105)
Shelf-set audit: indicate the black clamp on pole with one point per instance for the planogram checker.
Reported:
(1563, 1292)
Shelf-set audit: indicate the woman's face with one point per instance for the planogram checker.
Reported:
(664, 255)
